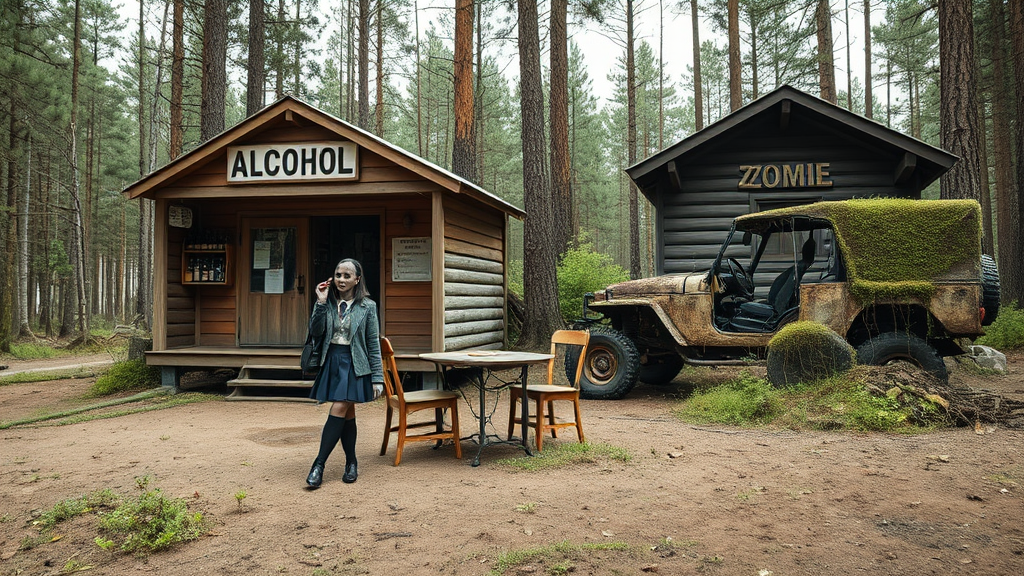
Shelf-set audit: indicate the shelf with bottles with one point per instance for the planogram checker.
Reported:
(207, 259)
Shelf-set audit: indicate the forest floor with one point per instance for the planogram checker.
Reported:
(690, 500)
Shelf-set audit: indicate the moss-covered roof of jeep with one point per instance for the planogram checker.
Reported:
(895, 246)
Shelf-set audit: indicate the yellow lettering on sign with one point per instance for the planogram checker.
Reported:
(792, 175)
(810, 175)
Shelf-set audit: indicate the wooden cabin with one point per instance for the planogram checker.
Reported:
(785, 148)
(248, 223)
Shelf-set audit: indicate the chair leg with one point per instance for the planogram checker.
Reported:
(387, 432)
(401, 437)
(539, 428)
(513, 394)
(456, 433)
(551, 419)
(579, 422)
(438, 425)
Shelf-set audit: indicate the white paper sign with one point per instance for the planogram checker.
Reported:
(293, 161)
(273, 281)
(260, 254)
(410, 261)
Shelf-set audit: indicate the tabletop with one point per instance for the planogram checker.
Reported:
(487, 358)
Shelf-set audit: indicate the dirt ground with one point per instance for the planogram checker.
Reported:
(732, 501)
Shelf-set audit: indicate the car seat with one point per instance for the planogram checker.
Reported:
(782, 296)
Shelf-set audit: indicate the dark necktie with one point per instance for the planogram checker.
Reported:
(341, 310)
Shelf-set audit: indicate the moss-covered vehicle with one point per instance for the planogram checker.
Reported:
(899, 279)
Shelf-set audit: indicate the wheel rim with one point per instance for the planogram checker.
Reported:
(601, 365)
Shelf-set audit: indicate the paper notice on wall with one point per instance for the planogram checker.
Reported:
(260, 254)
(410, 260)
(273, 281)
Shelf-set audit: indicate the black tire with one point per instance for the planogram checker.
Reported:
(891, 346)
(989, 289)
(610, 368)
(661, 369)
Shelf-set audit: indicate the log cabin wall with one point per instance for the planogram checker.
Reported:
(181, 300)
(474, 276)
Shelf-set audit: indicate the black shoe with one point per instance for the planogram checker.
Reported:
(351, 473)
(316, 476)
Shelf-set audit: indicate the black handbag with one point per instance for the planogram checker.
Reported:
(310, 360)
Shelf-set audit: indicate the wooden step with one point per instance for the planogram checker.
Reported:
(239, 395)
(272, 382)
(245, 387)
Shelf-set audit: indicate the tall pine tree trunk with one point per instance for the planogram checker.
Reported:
(826, 65)
(77, 240)
(1007, 210)
(634, 201)
(539, 258)
(735, 82)
(256, 68)
(464, 145)
(177, 78)
(379, 107)
(1016, 36)
(561, 177)
(364, 64)
(959, 108)
(215, 55)
(868, 103)
(698, 90)
(24, 330)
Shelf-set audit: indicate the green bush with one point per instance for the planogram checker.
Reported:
(582, 270)
(1007, 332)
(126, 376)
(746, 401)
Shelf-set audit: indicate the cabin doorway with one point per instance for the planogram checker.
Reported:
(274, 287)
(336, 237)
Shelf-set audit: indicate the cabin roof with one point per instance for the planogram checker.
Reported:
(784, 101)
(292, 109)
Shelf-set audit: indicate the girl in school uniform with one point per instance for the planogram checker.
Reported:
(344, 321)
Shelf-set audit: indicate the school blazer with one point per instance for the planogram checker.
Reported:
(365, 336)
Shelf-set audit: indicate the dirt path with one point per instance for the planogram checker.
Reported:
(732, 501)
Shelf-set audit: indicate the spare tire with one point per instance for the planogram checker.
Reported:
(989, 289)
(610, 368)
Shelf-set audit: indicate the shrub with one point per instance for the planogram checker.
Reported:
(126, 376)
(1007, 332)
(582, 270)
(152, 522)
(806, 352)
(746, 401)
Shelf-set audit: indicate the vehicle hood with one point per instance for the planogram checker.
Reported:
(658, 285)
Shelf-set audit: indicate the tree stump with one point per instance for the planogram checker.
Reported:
(807, 352)
(138, 346)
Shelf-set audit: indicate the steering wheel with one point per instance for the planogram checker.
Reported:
(742, 280)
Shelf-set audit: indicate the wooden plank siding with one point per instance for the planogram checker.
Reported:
(694, 221)
(474, 277)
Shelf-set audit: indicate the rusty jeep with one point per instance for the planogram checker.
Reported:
(899, 279)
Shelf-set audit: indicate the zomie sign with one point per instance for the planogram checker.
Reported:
(803, 175)
(293, 161)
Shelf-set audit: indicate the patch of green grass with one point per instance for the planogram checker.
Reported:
(126, 376)
(152, 522)
(527, 507)
(47, 375)
(560, 455)
(1007, 332)
(151, 400)
(68, 509)
(842, 402)
(36, 351)
(747, 401)
(559, 556)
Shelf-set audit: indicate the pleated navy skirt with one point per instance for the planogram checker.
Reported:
(337, 380)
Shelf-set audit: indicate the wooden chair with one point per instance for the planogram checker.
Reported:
(405, 403)
(545, 395)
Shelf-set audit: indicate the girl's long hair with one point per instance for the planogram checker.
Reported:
(360, 291)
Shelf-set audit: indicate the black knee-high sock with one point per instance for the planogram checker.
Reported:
(348, 441)
(329, 438)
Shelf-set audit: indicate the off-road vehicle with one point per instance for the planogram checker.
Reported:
(900, 279)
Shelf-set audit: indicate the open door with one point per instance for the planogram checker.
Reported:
(273, 307)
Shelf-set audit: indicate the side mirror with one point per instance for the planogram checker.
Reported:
(747, 238)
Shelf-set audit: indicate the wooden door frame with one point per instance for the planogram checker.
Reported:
(243, 270)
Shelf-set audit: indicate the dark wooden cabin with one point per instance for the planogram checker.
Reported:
(248, 223)
(785, 148)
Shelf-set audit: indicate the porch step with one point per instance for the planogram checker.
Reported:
(270, 382)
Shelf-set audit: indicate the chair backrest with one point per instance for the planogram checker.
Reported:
(783, 291)
(569, 338)
(392, 382)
